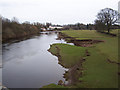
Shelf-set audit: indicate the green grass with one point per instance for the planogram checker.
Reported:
(98, 72)
(84, 34)
(109, 47)
(115, 31)
(70, 54)
(53, 86)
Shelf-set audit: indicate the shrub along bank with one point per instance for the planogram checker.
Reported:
(14, 30)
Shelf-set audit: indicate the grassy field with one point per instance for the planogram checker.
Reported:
(109, 47)
(70, 55)
(97, 71)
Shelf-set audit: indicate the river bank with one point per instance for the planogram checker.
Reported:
(13, 30)
(94, 69)
(10, 35)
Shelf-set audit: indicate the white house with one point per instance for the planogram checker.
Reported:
(54, 27)
(43, 29)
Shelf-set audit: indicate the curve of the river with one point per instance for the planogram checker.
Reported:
(28, 64)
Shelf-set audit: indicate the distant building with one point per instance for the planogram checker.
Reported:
(43, 29)
(55, 27)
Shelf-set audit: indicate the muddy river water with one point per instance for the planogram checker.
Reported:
(28, 64)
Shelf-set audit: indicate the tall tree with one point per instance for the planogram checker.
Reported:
(108, 16)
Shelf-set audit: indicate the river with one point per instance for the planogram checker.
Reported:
(28, 64)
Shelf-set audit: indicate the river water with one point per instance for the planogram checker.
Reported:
(28, 64)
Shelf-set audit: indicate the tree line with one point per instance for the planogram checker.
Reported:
(12, 29)
(106, 20)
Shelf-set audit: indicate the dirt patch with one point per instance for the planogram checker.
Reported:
(110, 61)
(65, 37)
(85, 43)
(76, 71)
(113, 62)
(82, 43)
(111, 34)
(118, 73)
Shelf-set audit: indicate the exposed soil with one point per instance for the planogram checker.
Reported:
(110, 61)
(85, 43)
(113, 62)
(114, 35)
(75, 72)
(82, 43)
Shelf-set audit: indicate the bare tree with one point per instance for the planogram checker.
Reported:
(108, 16)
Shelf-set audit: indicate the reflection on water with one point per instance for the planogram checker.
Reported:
(28, 64)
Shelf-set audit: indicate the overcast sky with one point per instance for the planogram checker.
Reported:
(55, 11)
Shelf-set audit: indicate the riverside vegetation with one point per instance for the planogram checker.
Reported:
(13, 30)
(92, 65)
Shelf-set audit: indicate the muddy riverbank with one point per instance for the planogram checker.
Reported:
(82, 43)
(75, 71)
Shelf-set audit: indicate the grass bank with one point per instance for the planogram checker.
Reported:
(99, 69)
(108, 47)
